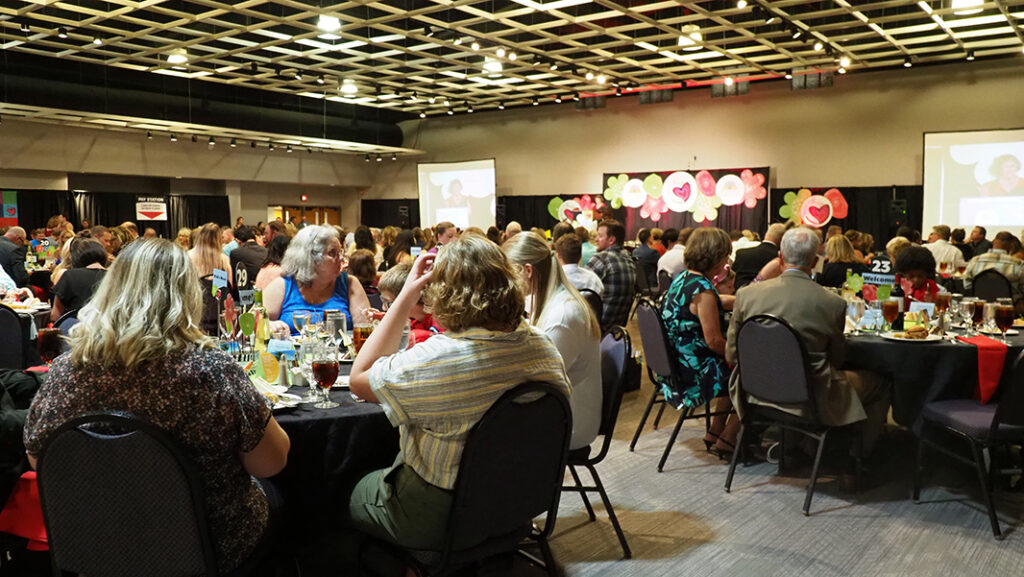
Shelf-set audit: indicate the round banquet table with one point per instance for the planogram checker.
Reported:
(923, 372)
(331, 449)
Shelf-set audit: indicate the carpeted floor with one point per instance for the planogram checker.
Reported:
(681, 522)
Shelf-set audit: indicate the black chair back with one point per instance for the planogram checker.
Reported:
(991, 285)
(664, 281)
(652, 337)
(616, 349)
(373, 295)
(121, 498)
(66, 321)
(643, 277)
(12, 340)
(594, 300)
(511, 469)
(208, 320)
(773, 362)
(1010, 410)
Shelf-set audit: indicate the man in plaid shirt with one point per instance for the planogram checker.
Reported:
(617, 271)
(999, 259)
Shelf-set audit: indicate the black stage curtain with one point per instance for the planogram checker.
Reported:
(403, 213)
(871, 209)
(190, 211)
(35, 207)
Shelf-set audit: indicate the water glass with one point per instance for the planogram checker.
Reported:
(855, 310)
(299, 320)
(966, 310)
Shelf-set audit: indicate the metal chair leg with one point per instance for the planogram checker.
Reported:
(735, 458)
(814, 473)
(657, 418)
(683, 413)
(583, 494)
(918, 463)
(643, 419)
(627, 554)
(981, 457)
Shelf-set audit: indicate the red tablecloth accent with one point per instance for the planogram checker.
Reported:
(39, 369)
(991, 358)
(23, 514)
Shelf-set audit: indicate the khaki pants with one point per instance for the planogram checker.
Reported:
(873, 392)
(397, 505)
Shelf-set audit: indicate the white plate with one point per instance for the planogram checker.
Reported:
(341, 383)
(1009, 333)
(892, 337)
(287, 401)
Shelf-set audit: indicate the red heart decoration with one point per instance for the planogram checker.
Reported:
(683, 192)
(569, 214)
(11, 211)
(820, 213)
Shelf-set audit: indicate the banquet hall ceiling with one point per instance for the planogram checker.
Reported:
(414, 56)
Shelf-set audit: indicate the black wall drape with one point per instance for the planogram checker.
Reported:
(35, 207)
(403, 213)
(870, 209)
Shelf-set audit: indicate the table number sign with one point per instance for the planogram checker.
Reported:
(246, 298)
(220, 278)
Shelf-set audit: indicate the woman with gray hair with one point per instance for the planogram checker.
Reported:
(312, 279)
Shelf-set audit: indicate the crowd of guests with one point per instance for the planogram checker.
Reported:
(476, 303)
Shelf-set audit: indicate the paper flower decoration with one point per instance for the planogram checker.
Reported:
(652, 184)
(793, 200)
(706, 183)
(613, 194)
(816, 211)
(553, 207)
(679, 191)
(706, 208)
(570, 210)
(633, 193)
(730, 190)
(653, 208)
(839, 206)
(753, 188)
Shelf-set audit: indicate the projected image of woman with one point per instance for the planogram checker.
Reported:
(1006, 171)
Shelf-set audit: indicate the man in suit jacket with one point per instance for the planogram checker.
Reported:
(750, 261)
(247, 259)
(12, 255)
(842, 397)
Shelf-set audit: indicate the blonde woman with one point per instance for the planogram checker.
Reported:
(184, 238)
(439, 389)
(206, 253)
(138, 348)
(560, 312)
(65, 262)
(840, 257)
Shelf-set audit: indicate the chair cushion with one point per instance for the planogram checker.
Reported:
(970, 417)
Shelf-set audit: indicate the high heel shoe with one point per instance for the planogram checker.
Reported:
(708, 444)
(724, 449)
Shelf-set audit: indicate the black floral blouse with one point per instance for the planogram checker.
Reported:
(203, 398)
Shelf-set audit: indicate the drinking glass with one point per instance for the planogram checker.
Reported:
(988, 323)
(315, 324)
(890, 311)
(299, 320)
(961, 269)
(325, 373)
(967, 314)
(360, 333)
(1004, 314)
(876, 315)
(943, 266)
(49, 345)
(979, 314)
(855, 310)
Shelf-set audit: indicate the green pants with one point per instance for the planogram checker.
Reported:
(397, 505)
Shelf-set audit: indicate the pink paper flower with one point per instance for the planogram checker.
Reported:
(706, 183)
(753, 188)
(653, 208)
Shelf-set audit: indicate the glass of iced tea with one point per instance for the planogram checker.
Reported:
(325, 372)
(50, 346)
(1004, 315)
(890, 311)
(943, 266)
(961, 269)
(361, 332)
(942, 301)
(978, 319)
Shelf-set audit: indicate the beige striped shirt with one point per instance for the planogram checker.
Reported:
(436, 391)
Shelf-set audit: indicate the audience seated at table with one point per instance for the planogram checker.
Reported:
(978, 242)
(557, 310)
(692, 314)
(271, 267)
(78, 283)
(839, 258)
(943, 250)
(362, 266)
(247, 259)
(842, 397)
(672, 261)
(646, 257)
(917, 267)
(617, 271)
(207, 254)
(152, 361)
(1000, 260)
(749, 261)
(436, 391)
(958, 238)
(401, 249)
(312, 279)
(12, 255)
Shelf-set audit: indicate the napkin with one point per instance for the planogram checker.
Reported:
(23, 514)
(991, 357)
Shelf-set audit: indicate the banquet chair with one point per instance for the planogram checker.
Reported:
(664, 281)
(208, 320)
(990, 285)
(510, 472)
(642, 287)
(660, 360)
(616, 349)
(65, 323)
(773, 367)
(124, 501)
(984, 428)
(594, 300)
(12, 340)
(373, 295)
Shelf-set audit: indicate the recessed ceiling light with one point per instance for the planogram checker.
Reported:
(741, 3)
(500, 52)
(475, 45)
(590, 75)
(177, 56)
(512, 56)
(328, 23)
(62, 32)
(601, 79)
(844, 61)
(818, 46)
(348, 86)
(423, 114)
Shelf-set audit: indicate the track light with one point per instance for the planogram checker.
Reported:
(590, 75)
(818, 46)
(423, 114)
(618, 91)
(212, 141)
(536, 101)
(789, 75)
(366, 158)
(553, 65)
(270, 147)
(844, 61)
(741, 3)
(432, 100)
(394, 156)
(470, 109)
(309, 150)
(177, 56)
(501, 105)
(450, 112)
(512, 56)
(252, 144)
(475, 45)
(970, 56)
(233, 143)
(729, 81)
(771, 18)
(457, 41)
(288, 148)
(174, 137)
(298, 75)
(907, 63)
(842, 70)
(328, 23)
(558, 98)
(24, 27)
(797, 33)
(575, 96)
(195, 138)
(500, 52)
(447, 103)
(97, 40)
(62, 32)
(149, 135)
(320, 80)
(379, 158)
(601, 79)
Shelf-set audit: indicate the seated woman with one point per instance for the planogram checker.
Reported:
(79, 282)
(207, 252)
(692, 315)
(918, 280)
(436, 391)
(839, 258)
(401, 250)
(152, 361)
(560, 312)
(362, 267)
(311, 279)
(271, 268)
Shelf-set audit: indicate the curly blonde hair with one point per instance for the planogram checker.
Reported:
(474, 285)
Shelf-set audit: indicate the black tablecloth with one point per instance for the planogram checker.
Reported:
(922, 372)
(331, 449)
(40, 319)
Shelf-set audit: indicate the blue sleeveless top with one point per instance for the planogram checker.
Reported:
(293, 301)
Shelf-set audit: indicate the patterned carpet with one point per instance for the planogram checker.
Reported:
(681, 522)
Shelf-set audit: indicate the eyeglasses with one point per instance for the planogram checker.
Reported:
(335, 254)
(384, 304)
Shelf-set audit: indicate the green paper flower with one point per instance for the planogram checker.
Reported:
(653, 184)
(613, 194)
(856, 283)
(706, 208)
(553, 205)
(247, 322)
